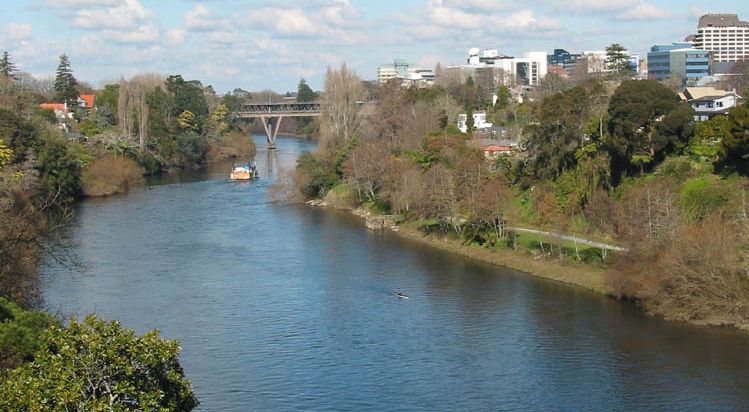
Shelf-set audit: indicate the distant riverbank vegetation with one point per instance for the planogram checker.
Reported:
(609, 159)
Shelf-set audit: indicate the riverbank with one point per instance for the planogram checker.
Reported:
(588, 277)
(585, 276)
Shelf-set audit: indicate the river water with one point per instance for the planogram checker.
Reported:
(287, 308)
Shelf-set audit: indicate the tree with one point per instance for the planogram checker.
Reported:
(635, 110)
(66, 86)
(503, 97)
(304, 94)
(187, 121)
(5, 154)
(470, 123)
(7, 67)
(617, 59)
(734, 148)
(340, 118)
(98, 365)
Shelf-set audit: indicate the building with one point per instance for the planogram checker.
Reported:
(724, 35)
(597, 61)
(87, 101)
(410, 74)
(679, 60)
(528, 70)
(708, 102)
(563, 59)
(479, 121)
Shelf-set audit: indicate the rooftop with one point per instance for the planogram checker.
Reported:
(721, 20)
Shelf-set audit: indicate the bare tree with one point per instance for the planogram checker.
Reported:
(341, 103)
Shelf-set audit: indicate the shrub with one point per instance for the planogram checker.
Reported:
(111, 175)
(20, 331)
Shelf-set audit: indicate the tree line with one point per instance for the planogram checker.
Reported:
(621, 161)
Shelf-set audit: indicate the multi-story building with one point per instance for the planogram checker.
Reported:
(708, 102)
(409, 73)
(564, 59)
(528, 70)
(679, 60)
(724, 35)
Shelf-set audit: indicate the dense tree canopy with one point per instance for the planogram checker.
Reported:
(97, 365)
(635, 110)
(734, 148)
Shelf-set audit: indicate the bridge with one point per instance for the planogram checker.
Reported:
(272, 114)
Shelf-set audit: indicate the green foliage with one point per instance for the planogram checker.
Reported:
(617, 59)
(20, 332)
(60, 170)
(97, 365)
(319, 176)
(705, 143)
(8, 69)
(701, 196)
(635, 109)
(503, 97)
(552, 142)
(674, 132)
(187, 96)
(106, 104)
(470, 125)
(6, 154)
(66, 86)
(187, 121)
(20, 135)
(679, 167)
(734, 148)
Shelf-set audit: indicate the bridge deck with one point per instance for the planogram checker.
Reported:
(259, 110)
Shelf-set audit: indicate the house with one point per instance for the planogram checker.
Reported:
(493, 148)
(708, 101)
(479, 122)
(87, 101)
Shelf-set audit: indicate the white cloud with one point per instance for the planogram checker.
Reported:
(145, 34)
(73, 4)
(644, 11)
(201, 18)
(176, 36)
(18, 31)
(126, 15)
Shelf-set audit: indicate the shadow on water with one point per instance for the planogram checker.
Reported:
(285, 307)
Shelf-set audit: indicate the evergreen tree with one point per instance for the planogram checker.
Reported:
(304, 92)
(7, 67)
(617, 60)
(66, 86)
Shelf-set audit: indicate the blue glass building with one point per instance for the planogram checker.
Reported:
(680, 60)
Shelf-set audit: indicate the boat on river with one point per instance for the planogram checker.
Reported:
(243, 172)
(402, 295)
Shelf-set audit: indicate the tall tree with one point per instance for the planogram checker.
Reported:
(617, 59)
(734, 148)
(304, 94)
(7, 67)
(66, 86)
(340, 107)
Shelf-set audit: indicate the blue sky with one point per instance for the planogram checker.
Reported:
(270, 44)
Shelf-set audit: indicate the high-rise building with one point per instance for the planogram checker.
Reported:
(679, 60)
(724, 35)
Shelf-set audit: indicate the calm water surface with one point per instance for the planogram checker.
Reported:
(286, 308)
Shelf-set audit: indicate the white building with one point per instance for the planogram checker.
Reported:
(725, 35)
(479, 121)
(527, 70)
(597, 61)
(410, 74)
(708, 102)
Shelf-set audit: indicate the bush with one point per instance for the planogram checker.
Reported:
(20, 331)
(97, 365)
(111, 175)
(234, 145)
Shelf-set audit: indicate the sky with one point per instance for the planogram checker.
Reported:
(258, 45)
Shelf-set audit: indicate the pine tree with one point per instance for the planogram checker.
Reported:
(617, 59)
(66, 86)
(7, 67)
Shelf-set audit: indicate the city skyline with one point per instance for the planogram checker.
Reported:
(236, 43)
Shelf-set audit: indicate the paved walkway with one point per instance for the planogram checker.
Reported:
(570, 238)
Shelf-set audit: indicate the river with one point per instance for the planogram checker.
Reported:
(287, 308)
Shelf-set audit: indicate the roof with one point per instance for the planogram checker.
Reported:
(53, 106)
(721, 20)
(498, 149)
(698, 93)
(89, 99)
